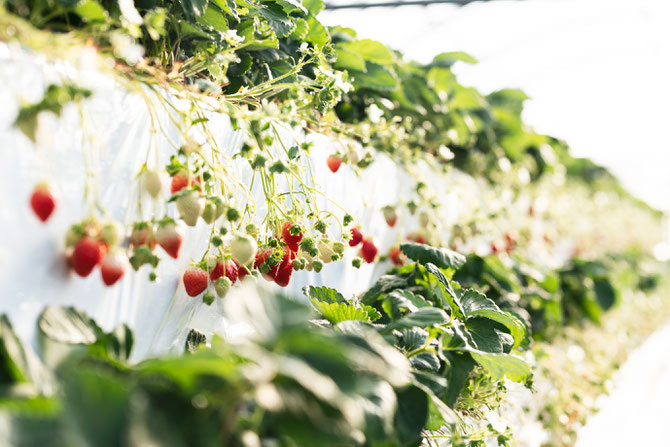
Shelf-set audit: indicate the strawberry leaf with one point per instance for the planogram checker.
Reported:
(441, 257)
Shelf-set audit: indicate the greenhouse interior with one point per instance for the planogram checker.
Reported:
(334, 223)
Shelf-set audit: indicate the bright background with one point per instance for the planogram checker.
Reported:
(598, 71)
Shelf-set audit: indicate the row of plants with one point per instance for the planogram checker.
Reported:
(417, 358)
(424, 355)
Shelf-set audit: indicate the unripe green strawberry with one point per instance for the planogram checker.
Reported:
(153, 183)
(73, 235)
(209, 212)
(317, 265)
(190, 207)
(110, 234)
(243, 249)
(208, 298)
(222, 286)
(339, 247)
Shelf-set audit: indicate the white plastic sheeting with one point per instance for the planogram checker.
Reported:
(113, 144)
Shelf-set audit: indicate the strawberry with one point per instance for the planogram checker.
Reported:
(231, 270)
(510, 241)
(42, 202)
(285, 270)
(86, 255)
(110, 234)
(112, 268)
(243, 249)
(190, 207)
(496, 247)
(143, 235)
(169, 237)
(334, 163)
(356, 237)
(368, 251)
(181, 180)
(326, 251)
(217, 271)
(415, 237)
(390, 215)
(195, 281)
(221, 286)
(153, 183)
(209, 212)
(262, 257)
(291, 234)
(396, 256)
(242, 271)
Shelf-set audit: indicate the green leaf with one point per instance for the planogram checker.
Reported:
(317, 34)
(120, 342)
(426, 361)
(448, 59)
(348, 60)
(324, 294)
(301, 29)
(338, 312)
(68, 325)
(606, 294)
(277, 18)
(90, 11)
(447, 293)
(486, 337)
(313, 6)
(441, 257)
(96, 405)
(194, 339)
(411, 414)
(476, 304)
(502, 365)
(413, 338)
(369, 50)
(424, 317)
(376, 77)
(384, 284)
(14, 365)
(215, 18)
(194, 8)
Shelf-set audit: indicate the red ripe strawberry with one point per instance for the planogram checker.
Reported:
(112, 268)
(143, 234)
(232, 271)
(261, 257)
(181, 181)
(169, 237)
(42, 202)
(356, 237)
(510, 241)
(86, 255)
(334, 163)
(396, 256)
(195, 281)
(419, 239)
(242, 271)
(292, 240)
(217, 271)
(390, 215)
(496, 247)
(285, 269)
(369, 251)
